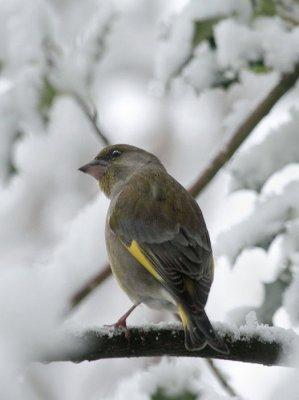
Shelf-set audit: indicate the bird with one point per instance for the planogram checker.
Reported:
(157, 241)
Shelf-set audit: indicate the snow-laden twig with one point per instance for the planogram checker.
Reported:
(260, 345)
(92, 116)
(286, 82)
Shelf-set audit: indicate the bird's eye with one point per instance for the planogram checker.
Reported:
(116, 153)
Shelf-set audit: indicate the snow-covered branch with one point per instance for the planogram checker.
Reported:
(261, 345)
(286, 82)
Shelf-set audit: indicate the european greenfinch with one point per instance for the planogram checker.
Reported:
(157, 240)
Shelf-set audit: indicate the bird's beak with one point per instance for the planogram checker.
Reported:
(95, 168)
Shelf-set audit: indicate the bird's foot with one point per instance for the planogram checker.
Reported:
(121, 324)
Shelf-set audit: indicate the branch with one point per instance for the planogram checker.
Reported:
(90, 285)
(262, 345)
(92, 115)
(286, 82)
(222, 379)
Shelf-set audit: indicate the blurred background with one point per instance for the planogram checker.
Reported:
(177, 78)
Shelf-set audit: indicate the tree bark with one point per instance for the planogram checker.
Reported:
(261, 346)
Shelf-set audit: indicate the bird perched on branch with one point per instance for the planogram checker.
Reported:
(157, 240)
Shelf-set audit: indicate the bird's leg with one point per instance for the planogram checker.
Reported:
(122, 322)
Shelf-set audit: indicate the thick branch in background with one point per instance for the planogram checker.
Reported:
(286, 82)
(263, 345)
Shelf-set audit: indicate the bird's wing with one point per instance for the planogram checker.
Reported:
(162, 226)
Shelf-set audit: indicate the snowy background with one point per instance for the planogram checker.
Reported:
(176, 78)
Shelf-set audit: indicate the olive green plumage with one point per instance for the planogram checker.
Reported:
(157, 241)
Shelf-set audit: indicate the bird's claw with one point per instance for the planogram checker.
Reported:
(120, 324)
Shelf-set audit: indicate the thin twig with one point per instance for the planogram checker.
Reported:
(92, 116)
(82, 293)
(179, 69)
(221, 379)
(286, 83)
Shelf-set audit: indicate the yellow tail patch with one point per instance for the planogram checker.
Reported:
(134, 249)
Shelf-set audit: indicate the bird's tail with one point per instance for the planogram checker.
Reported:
(199, 332)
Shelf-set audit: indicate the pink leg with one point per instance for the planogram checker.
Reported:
(122, 322)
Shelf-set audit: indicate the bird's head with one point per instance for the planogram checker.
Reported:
(115, 164)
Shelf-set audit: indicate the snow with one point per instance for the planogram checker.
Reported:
(238, 44)
(276, 183)
(203, 60)
(202, 10)
(264, 332)
(179, 35)
(244, 331)
(271, 212)
(173, 376)
(246, 44)
(291, 298)
(261, 167)
(245, 96)
(46, 182)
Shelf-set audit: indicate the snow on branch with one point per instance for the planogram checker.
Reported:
(261, 345)
(286, 82)
(271, 216)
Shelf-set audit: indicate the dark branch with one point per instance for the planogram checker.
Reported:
(286, 83)
(262, 346)
(222, 379)
(90, 285)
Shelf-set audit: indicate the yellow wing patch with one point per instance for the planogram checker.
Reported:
(136, 252)
(183, 315)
